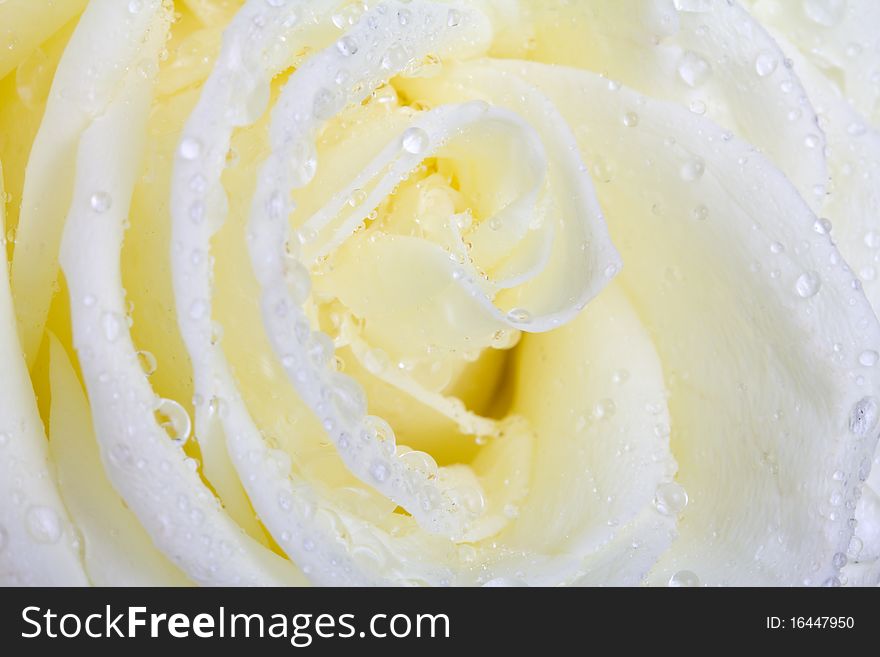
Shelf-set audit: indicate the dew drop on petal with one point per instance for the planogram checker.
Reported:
(692, 169)
(684, 578)
(190, 148)
(519, 315)
(414, 141)
(630, 119)
(111, 326)
(147, 361)
(670, 499)
(863, 417)
(869, 358)
(379, 471)
(100, 202)
(174, 419)
(765, 63)
(347, 46)
(693, 69)
(807, 284)
(43, 524)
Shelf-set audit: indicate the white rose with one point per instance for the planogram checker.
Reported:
(489, 292)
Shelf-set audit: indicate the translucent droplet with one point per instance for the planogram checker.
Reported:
(298, 281)
(872, 239)
(826, 13)
(347, 46)
(863, 417)
(630, 119)
(519, 315)
(693, 69)
(670, 499)
(701, 212)
(190, 148)
(379, 471)
(453, 18)
(324, 105)
(198, 309)
(320, 349)
(4, 539)
(807, 284)
(135, 6)
(838, 560)
(698, 107)
(174, 419)
(111, 326)
(147, 362)
(777, 247)
(692, 169)
(684, 578)
(414, 141)
(811, 141)
(43, 524)
(604, 409)
(100, 202)
(868, 358)
(765, 63)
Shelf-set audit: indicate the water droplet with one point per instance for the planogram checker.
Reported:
(174, 419)
(777, 247)
(147, 362)
(324, 105)
(670, 498)
(765, 63)
(414, 141)
(872, 239)
(838, 560)
(807, 284)
(198, 309)
(519, 315)
(190, 148)
(832, 582)
(692, 169)
(111, 325)
(604, 409)
(135, 6)
(197, 212)
(453, 18)
(347, 46)
(868, 358)
(43, 524)
(698, 107)
(693, 69)
(100, 202)
(684, 578)
(856, 129)
(4, 538)
(811, 141)
(826, 13)
(320, 349)
(379, 471)
(299, 283)
(863, 417)
(630, 119)
(701, 212)
(855, 548)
